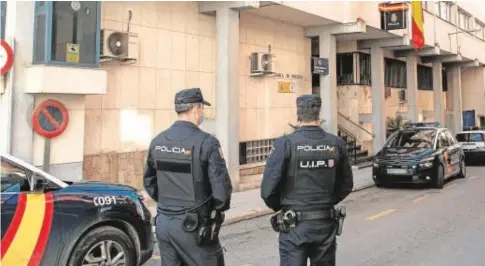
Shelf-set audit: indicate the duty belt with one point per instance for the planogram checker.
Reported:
(309, 215)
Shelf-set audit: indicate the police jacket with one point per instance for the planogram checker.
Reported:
(185, 169)
(308, 169)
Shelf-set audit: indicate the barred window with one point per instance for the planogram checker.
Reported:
(345, 68)
(255, 151)
(395, 73)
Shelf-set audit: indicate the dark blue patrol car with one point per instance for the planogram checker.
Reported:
(419, 153)
(46, 221)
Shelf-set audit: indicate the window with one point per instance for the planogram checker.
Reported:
(365, 69)
(444, 80)
(442, 141)
(66, 33)
(470, 137)
(413, 139)
(3, 15)
(425, 78)
(444, 10)
(13, 179)
(345, 69)
(255, 151)
(463, 20)
(353, 69)
(449, 136)
(395, 73)
(426, 5)
(480, 30)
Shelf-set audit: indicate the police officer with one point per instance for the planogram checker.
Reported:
(307, 173)
(186, 174)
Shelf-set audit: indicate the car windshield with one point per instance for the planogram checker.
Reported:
(413, 139)
(469, 137)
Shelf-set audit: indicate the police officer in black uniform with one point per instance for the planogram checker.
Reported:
(307, 173)
(186, 174)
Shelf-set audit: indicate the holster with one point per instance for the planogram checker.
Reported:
(209, 228)
(278, 222)
(341, 213)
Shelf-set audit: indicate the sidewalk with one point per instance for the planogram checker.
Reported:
(248, 204)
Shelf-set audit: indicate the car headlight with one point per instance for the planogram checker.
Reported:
(375, 165)
(426, 163)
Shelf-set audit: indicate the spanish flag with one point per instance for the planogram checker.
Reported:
(418, 22)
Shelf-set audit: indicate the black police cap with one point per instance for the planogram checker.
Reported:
(308, 100)
(193, 95)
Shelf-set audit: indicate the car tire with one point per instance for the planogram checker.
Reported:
(462, 173)
(94, 240)
(439, 180)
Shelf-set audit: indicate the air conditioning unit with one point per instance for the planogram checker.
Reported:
(402, 96)
(119, 45)
(261, 64)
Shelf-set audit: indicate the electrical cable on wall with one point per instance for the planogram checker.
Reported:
(130, 15)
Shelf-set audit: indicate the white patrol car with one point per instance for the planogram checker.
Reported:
(473, 144)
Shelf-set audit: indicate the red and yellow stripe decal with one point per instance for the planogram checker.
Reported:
(28, 233)
(418, 24)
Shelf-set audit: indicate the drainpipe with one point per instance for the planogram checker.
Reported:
(10, 102)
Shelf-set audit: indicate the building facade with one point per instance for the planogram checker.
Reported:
(117, 65)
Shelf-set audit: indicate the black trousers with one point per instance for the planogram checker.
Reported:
(314, 240)
(179, 248)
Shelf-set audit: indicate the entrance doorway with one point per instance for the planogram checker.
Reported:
(315, 77)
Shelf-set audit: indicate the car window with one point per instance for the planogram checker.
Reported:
(13, 178)
(470, 137)
(450, 138)
(413, 139)
(442, 141)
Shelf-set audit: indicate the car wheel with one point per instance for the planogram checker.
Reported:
(462, 173)
(439, 181)
(103, 246)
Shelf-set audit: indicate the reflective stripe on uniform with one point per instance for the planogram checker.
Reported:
(28, 233)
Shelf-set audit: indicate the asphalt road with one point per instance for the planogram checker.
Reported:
(386, 226)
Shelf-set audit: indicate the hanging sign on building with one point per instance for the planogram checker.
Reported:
(50, 119)
(6, 57)
(320, 66)
(394, 16)
(286, 87)
(72, 53)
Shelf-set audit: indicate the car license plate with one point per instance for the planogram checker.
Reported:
(397, 171)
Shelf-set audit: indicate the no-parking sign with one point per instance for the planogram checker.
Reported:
(6, 57)
(50, 119)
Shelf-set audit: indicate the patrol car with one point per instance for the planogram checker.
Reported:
(419, 153)
(473, 144)
(47, 221)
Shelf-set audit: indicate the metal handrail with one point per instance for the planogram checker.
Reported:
(357, 125)
(353, 146)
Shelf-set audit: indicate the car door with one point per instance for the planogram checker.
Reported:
(455, 152)
(444, 148)
(27, 218)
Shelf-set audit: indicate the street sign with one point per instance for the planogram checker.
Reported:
(6, 57)
(50, 119)
(319, 66)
